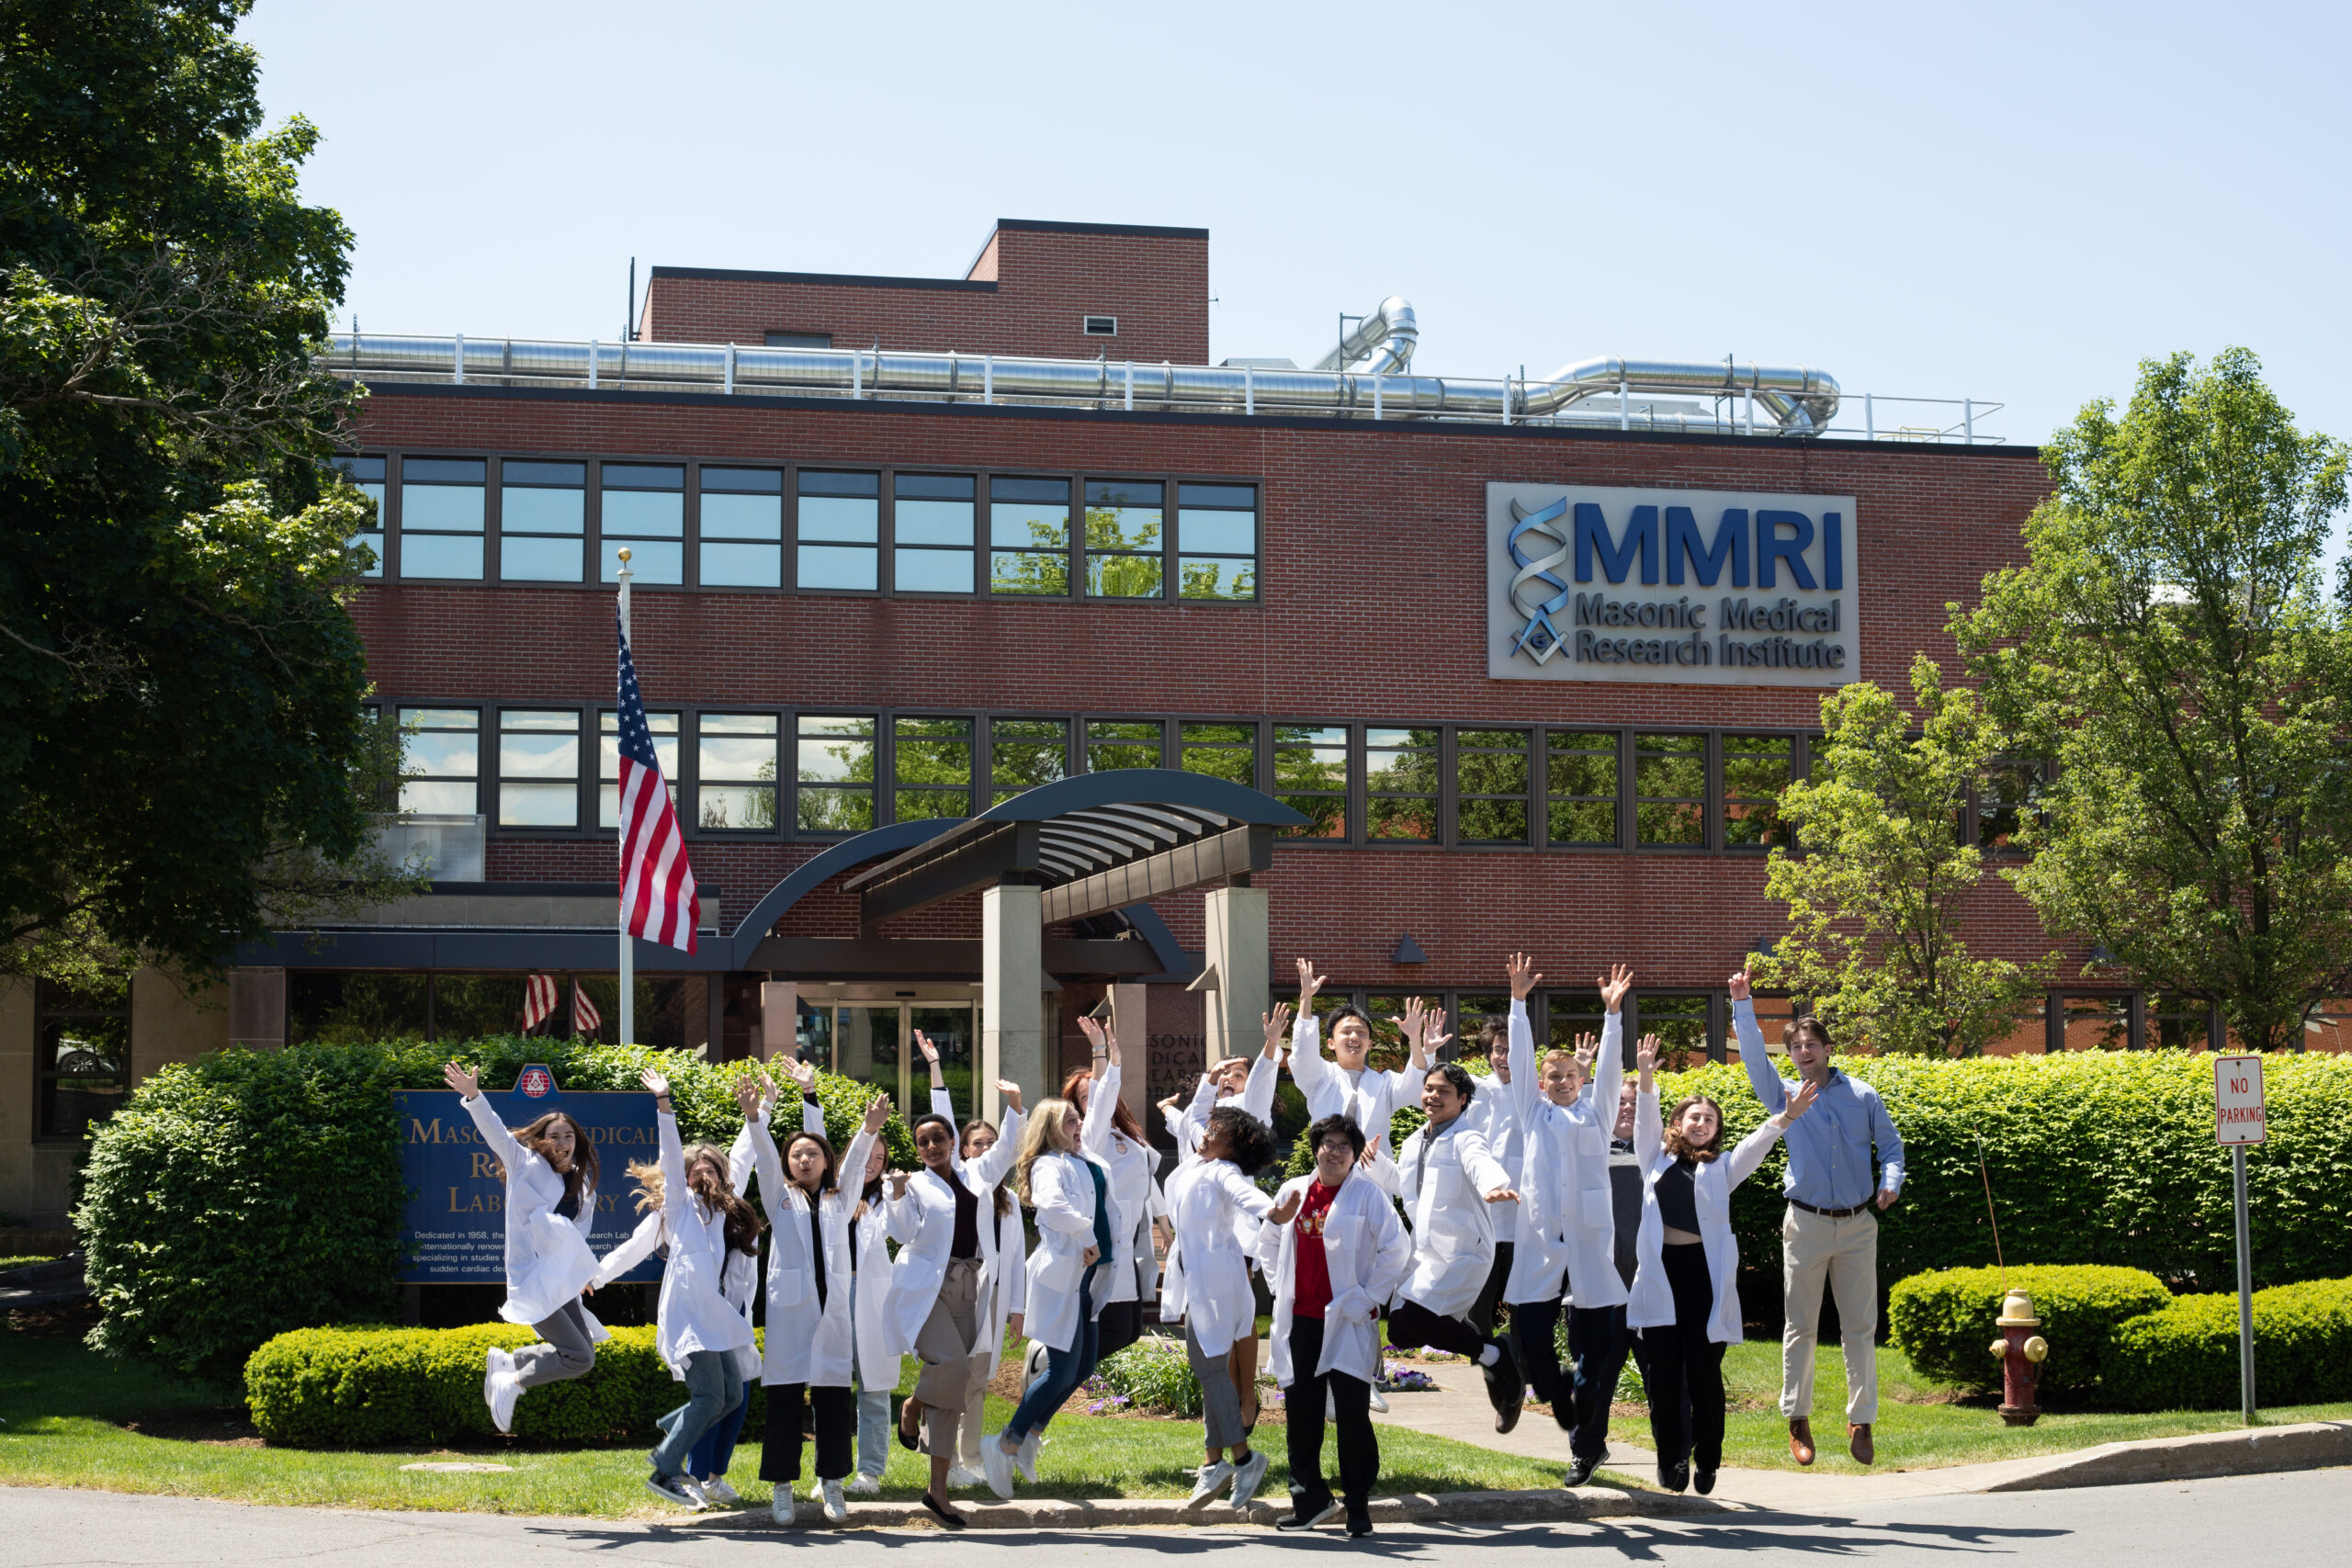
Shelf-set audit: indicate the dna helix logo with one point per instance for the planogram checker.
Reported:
(1538, 638)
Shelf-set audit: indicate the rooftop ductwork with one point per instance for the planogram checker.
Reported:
(1387, 336)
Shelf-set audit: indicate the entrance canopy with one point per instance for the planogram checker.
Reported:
(1093, 845)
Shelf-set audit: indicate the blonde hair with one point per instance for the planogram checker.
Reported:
(743, 1221)
(1559, 1053)
(1041, 1134)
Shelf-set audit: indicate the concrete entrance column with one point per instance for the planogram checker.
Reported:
(1236, 921)
(1012, 996)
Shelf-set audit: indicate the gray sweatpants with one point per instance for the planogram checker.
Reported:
(565, 1351)
(1220, 1402)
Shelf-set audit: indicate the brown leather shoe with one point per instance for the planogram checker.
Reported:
(1857, 1439)
(1801, 1440)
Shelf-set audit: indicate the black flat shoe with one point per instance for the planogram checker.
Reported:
(907, 1439)
(1674, 1477)
(940, 1511)
(1702, 1481)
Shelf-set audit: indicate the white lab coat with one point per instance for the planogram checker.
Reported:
(693, 1313)
(1710, 1188)
(1493, 1112)
(1257, 1096)
(1453, 1241)
(923, 1225)
(1368, 1101)
(806, 1344)
(1212, 1205)
(1135, 1267)
(1009, 1282)
(1062, 1194)
(1368, 1252)
(548, 1260)
(1566, 1224)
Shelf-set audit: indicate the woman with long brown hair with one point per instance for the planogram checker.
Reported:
(1110, 1131)
(550, 1206)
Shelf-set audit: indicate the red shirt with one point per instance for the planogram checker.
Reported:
(1311, 1270)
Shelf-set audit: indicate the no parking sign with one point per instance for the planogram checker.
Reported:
(2237, 1100)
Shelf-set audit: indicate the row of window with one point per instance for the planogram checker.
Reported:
(797, 529)
(787, 770)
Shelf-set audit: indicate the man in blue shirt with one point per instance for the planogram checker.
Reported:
(1830, 1235)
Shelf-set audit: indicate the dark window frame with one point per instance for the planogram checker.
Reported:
(52, 1002)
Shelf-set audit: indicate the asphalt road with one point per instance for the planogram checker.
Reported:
(2279, 1521)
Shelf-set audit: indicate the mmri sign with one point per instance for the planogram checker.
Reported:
(1721, 588)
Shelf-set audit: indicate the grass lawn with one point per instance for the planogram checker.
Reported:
(70, 1418)
(1922, 1424)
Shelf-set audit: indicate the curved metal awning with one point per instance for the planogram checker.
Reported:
(1096, 843)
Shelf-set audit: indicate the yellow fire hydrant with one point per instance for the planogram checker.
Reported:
(2021, 1352)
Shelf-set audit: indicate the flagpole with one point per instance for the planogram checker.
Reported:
(628, 1023)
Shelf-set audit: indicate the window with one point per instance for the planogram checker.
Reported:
(742, 529)
(1029, 537)
(1112, 743)
(1670, 789)
(836, 773)
(2186, 1024)
(83, 1057)
(1400, 784)
(542, 521)
(1757, 768)
(441, 512)
(441, 761)
(1024, 753)
(1216, 541)
(539, 768)
(367, 473)
(1124, 539)
(1581, 788)
(1102, 326)
(2007, 801)
(796, 340)
(735, 771)
(1470, 1010)
(355, 1006)
(1311, 777)
(665, 726)
(1490, 786)
(1681, 1025)
(933, 765)
(2096, 1022)
(932, 517)
(645, 510)
(1221, 750)
(1571, 1014)
(840, 530)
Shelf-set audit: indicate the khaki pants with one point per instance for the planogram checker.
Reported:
(953, 1380)
(1815, 1249)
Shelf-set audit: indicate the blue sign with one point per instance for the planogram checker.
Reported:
(455, 1230)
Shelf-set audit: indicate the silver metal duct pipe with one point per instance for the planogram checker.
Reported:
(1798, 401)
(1388, 335)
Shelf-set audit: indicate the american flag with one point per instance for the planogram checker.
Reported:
(584, 1016)
(539, 1003)
(657, 885)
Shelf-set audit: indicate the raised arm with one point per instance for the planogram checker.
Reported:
(769, 1166)
(1103, 1094)
(495, 1132)
(851, 1172)
(1524, 1090)
(1762, 1075)
(1308, 1066)
(1757, 1145)
(676, 1199)
(985, 1173)
(1608, 1068)
(1649, 1132)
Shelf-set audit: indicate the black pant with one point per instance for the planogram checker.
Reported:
(1598, 1344)
(1121, 1325)
(1534, 1339)
(1412, 1326)
(1303, 1407)
(1684, 1369)
(1482, 1311)
(789, 1406)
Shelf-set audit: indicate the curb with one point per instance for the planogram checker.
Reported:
(2310, 1445)
(1549, 1506)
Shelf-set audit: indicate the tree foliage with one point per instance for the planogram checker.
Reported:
(1877, 899)
(2168, 645)
(181, 741)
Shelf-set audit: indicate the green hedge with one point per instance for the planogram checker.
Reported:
(2185, 1356)
(1944, 1321)
(372, 1387)
(250, 1193)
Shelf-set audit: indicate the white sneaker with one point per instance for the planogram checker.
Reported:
(964, 1475)
(835, 1509)
(1379, 1404)
(1246, 1478)
(716, 1491)
(1211, 1482)
(997, 1464)
(785, 1510)
(1027, 1457)
(864, 1486)
(500, 1388)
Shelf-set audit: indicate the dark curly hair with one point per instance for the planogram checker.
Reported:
(1248, 1143)
(1458, 1076)
(1336, 1126)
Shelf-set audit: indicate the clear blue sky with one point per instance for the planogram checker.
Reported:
(2013, 203)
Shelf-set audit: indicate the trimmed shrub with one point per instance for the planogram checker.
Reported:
(1154, 1375)
(2185, 1356)
(319, 1388)
(251, 1193)
(1944, 1322)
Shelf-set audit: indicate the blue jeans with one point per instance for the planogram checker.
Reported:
(713, 1389)
(715, 1449)
(873, 1431)
(1065, 1369)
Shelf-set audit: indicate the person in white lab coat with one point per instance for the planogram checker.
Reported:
(1686, 1292)
(1447, 1177)
(811, 1337)
(1344, 1084)
(550, 1206)
(1010, 1302)
(696, 1332)
(1567, 1225)
(945, 1304)
(1217, 1209)
(1070, 1190)
(1110, 1135)
(1342, 1254)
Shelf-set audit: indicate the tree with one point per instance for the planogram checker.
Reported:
(183, 753)
(2168, 644)
(1877, 896)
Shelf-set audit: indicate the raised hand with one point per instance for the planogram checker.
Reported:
(1588, 1052)
(1646, 1054)
(456, 1077)
(1434, 1035)
(1009, 1092)
(877, 1114)
(1276, 1024)
(802, 1073)
(1309, 982)
(767, 1084)
(655, 1082)
(1523, 977)
(1802, 1101)
(1620, 981)
(1740, 991)
(1286, 1211)
(931, 1052)
(1096, 1039)
(747, 1096)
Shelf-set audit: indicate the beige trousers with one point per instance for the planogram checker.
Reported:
(1843, 1254)
(953, 1379)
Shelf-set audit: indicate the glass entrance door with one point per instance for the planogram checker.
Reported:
(874, 1043)
(949, 1028)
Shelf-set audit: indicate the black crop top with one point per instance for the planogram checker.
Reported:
(1678, 1204)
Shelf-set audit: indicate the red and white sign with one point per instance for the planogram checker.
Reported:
(2237, 1100)
(535, 1083)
